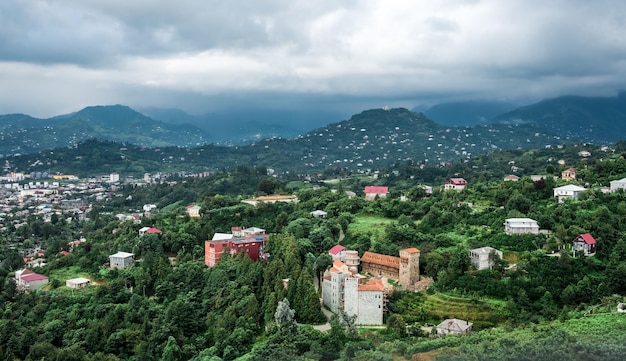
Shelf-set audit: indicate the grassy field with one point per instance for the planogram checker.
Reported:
(434, 308)
(482, 313)
(369, 223)
(65, 274)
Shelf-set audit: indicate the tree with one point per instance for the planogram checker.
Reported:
(285, 317)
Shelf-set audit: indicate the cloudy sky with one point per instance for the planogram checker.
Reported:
(57, 56)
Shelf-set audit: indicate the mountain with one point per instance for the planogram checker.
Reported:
(24, 134)
(599, 120)
(245, 125)
(373, 139)
(465, 113)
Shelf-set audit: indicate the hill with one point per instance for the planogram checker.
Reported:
(594, 120)
(24, 134)
(373, 139)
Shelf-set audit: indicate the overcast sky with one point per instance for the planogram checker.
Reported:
(58, 56)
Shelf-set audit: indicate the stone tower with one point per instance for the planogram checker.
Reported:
(409, 267)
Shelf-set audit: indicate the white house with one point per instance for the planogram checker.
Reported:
(453, 326)
(618, 184)
(29, 280)
(319, 214)
(121, 260)
(457, 184)
(77, 282)
(569, 191)
(480, 257)
(521, 226)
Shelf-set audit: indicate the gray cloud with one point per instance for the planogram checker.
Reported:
(57, 56)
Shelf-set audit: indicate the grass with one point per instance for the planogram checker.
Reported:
(369, 223)
(64, 274)
(481, 312)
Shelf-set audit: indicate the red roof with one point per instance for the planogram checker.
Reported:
(65, 253)
(587, 238)
(456, 181)
(153, 230)
(336, 249)
(376, 189)
(373, 284)
(33, 277)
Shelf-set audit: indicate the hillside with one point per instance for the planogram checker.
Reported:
(24, 134)
(373, 139)
(594, 120)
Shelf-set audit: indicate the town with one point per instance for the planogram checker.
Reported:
(455, 258)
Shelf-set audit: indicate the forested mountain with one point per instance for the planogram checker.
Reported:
(594, 120)
(24, 134)
(373, 139)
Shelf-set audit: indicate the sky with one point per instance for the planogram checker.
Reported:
(58, 56)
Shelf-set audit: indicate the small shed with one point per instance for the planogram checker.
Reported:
(77, 282)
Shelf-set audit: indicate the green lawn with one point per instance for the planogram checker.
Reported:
(64, 274)
(369, 223)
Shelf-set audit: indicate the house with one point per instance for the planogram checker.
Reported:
(319, 214)
(28, 280)
(521, 226)
(511, 178)
(404, 269)
(343, 289)
(121, 260)
(250, 241)
(457, 184)
(586, 243)
(453, 326)
(193, 211)
(149, 230)
(481, 257)
(77, 282)
(618, 184)
(568, 174)
(584, 153)
(569, 191)
(371, 192)
(337, 252)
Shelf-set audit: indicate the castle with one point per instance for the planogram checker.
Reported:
(344, 289)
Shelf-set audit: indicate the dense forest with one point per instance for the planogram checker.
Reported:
(542, 301)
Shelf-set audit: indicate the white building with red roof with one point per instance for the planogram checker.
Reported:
(457, 184)
(337, 252)
(371, 192)
(585, 243)
(28, 280)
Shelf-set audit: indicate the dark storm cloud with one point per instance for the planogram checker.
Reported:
(60, 55)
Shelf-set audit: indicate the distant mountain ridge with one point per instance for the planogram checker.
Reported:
(21, 133)
(466, 113)
(595, 120)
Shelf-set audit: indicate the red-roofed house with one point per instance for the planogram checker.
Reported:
(29, 280)
(337, 252)
(586, 243)
(371, 192)
(250, 241)
(568, 174)
(149, 230)
(457, 184)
